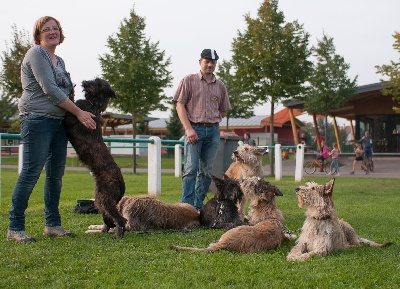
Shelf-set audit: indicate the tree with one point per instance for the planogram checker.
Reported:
(8, 109)
(392, 71)
(10, 74)
(271, 58)
(242, 106)
(330, 87)
(137, 70)
(174, 127)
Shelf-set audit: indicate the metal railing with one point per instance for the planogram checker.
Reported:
(154, 145)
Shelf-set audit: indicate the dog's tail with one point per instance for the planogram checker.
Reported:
(374, 244)
(193, 249)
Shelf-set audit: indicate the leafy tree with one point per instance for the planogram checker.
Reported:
(392, 71)
(271, 58)
(174, 127)
(330, 138)
(242, 106)
(137, 70)
(8, 109)
(10, 74)
(330, 87)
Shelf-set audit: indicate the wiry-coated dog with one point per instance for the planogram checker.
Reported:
(322, 231)
(267, 232)
(221, 212)
(248, 163)
(147, 213)
(92, 151)
(262, 200)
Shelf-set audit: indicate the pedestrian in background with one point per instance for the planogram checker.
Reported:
(334, 153)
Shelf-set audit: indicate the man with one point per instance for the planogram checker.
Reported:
(201, 102)
(366, 142)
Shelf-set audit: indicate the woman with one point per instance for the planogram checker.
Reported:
(47, 89)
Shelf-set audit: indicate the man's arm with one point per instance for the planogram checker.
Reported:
(182, 114)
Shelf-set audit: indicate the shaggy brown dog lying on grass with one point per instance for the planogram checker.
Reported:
(248, 163)
(147, 213)
(322, 231)
(266, 234)
(93, 152)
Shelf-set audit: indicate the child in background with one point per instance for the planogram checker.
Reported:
(323, 154)
(334, 153)
(359, 159)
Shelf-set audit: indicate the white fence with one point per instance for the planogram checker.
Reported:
(154, 160)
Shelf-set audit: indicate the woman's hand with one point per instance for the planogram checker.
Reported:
(86, 118)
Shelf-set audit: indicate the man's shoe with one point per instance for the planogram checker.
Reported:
(57, 231)
(352, 173)
(19, 237)
(367, 172)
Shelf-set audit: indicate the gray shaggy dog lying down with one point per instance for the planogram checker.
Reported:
(147, 213)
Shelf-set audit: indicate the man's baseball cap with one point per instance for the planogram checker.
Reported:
(209, 54)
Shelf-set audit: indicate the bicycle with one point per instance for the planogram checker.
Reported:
(311, 167)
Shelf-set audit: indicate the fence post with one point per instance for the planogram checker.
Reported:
(278, 162)
(298, 176)
(154, 167)
(178, 161)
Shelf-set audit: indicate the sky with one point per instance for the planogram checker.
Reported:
(362, 30)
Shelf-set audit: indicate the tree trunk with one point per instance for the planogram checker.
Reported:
(271, 132)
(134, 130)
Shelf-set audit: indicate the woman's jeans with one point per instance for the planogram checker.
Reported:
(44, 144)
(198, 163)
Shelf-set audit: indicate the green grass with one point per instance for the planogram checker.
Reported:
(142, 259)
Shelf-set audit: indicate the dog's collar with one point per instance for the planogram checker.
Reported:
(221, 208)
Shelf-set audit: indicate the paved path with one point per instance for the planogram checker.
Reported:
(384, 167)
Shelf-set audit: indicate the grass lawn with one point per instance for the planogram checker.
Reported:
(142, 259)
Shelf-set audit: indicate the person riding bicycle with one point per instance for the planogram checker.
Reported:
(323, 154)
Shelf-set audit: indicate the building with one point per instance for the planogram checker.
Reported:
(369, 110)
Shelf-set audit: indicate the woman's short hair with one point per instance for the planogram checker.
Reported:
(37, 29)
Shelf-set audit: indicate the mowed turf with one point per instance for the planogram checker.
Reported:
(143, 260)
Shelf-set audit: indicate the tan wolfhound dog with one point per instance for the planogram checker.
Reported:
(248, 163)
(147, 213)
(264, 235)
(322, 231)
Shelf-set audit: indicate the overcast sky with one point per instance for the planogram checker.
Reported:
(362, 30)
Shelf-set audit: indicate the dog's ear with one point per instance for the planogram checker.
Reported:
(328, 187)
(278, 192)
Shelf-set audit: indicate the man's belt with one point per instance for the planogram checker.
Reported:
(204, 124)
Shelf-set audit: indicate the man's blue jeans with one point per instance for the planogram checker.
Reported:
(45, 144)
(198, 163)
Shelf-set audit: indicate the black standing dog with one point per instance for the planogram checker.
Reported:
(92, 151)
(221, 211)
